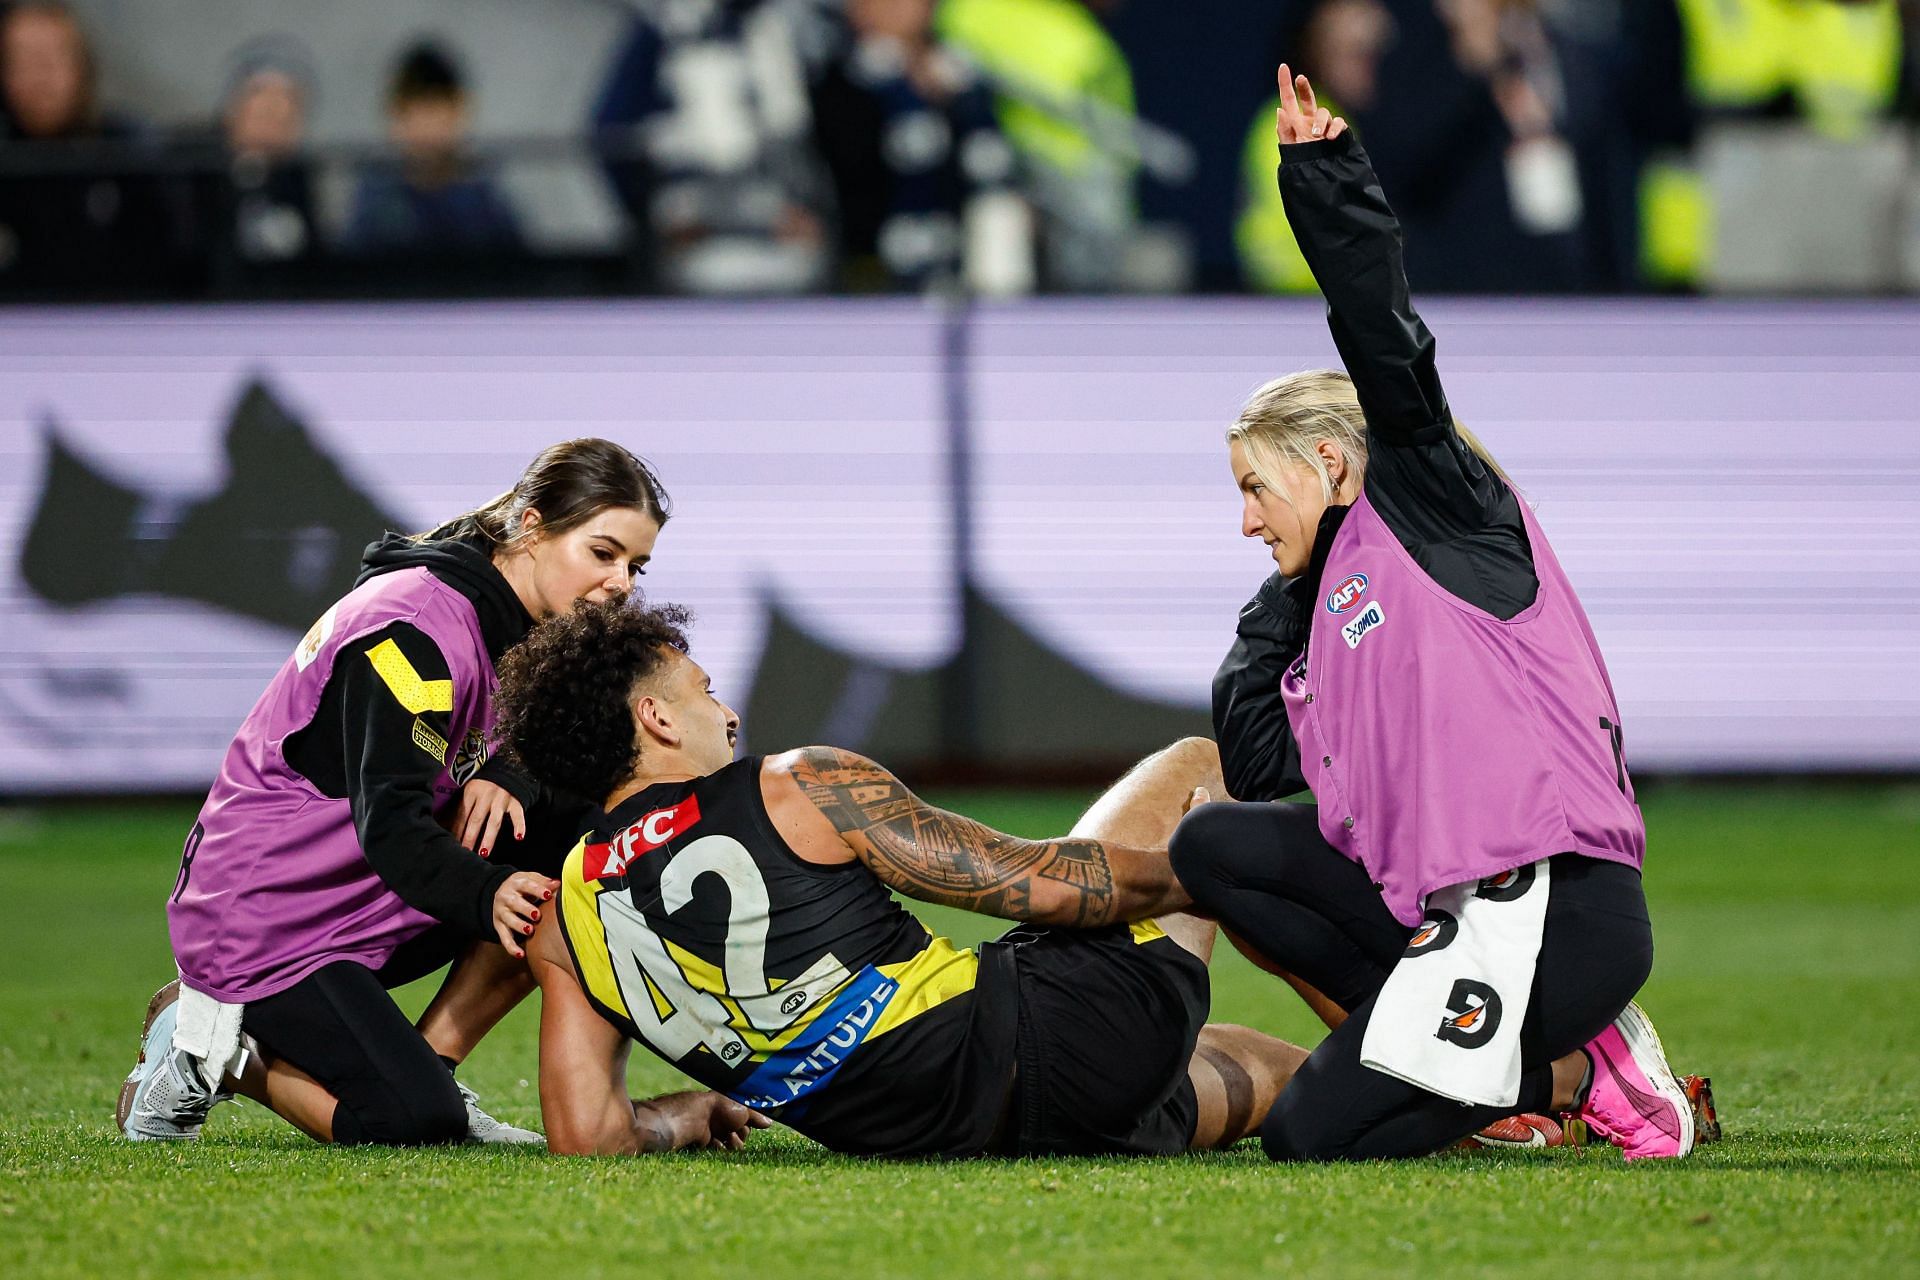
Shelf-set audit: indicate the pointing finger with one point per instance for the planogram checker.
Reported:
(1288, 103)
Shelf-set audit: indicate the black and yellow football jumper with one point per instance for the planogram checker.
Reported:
(807, 992)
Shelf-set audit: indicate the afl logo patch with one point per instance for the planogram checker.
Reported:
(1343, 597)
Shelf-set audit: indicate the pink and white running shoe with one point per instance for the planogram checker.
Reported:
(1636, 1103)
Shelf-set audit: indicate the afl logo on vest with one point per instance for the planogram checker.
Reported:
(1343, 597)
(1473, 1014)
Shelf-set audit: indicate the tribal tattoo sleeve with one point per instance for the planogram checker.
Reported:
(942, 857)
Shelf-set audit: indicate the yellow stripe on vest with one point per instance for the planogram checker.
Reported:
(415, 694)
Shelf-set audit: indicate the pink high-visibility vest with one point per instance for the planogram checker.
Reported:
(274, 883)
(1444, 744)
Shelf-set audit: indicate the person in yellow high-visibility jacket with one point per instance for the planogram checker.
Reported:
(1043, 51)
(1834, 64)
(1064, 98)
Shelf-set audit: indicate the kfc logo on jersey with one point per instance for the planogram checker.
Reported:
(1357, 630)
(1343, 597)
(606, 861)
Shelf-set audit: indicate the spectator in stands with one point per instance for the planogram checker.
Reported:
(1465, 130)
(434, 199)
(1065, 99)
(1340, 43)
(83, 203)
(707, 110)
(1836, 69)
(922, 177)
(258, 209)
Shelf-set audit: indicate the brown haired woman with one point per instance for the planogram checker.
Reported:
(319, 874)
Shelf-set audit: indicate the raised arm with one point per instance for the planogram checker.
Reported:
(1351, 240)
(936, 856)
(1428, 483)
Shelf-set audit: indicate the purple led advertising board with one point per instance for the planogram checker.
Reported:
(1006, 536)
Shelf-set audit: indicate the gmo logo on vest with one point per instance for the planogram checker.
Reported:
(1343, 597)
(1370, 617)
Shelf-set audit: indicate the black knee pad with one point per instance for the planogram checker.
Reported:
(1289, 1134)
(1202, 844)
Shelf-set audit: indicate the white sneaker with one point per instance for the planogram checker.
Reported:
(164, 1099)
(482, 1127)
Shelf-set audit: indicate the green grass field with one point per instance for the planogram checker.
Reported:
(1788, 922)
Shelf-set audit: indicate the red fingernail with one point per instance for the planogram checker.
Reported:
(549, 896)
(528, 930)
(485, 852)
(536, 913)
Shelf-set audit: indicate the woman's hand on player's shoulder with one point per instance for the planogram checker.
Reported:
(516, 909)
(483, 807)
(1300, 118)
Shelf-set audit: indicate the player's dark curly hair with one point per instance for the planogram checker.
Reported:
(562, 705)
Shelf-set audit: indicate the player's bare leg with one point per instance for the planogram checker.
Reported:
(483, 987)
(1143, 808)
(1237, 1073)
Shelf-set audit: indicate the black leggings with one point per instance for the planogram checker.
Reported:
(1266, 873)
(339, 1025)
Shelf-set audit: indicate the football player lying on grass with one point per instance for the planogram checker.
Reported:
(734, 916)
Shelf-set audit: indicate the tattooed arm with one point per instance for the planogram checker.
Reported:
(836, 806)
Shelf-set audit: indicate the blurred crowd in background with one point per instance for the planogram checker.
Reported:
(276, 148)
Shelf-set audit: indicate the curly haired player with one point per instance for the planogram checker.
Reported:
(734, 917)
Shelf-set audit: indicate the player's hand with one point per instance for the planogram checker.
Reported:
(516, 909)
(727, 1123)
(702, 1121)
(483, 807)
(1300, 118)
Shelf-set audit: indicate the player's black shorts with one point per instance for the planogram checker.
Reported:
(1107, 1025)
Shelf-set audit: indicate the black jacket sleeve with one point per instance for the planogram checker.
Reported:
(502, 772)
(1258, 754)
(368, 747)
(1453, 513)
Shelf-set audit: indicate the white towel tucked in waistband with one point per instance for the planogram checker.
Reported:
(1448, 1018)
(210, 1032)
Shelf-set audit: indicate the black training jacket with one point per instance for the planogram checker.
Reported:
(1455, 517)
